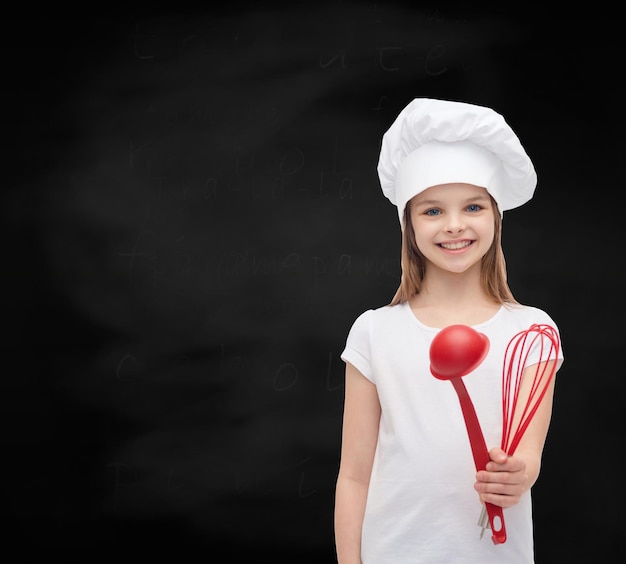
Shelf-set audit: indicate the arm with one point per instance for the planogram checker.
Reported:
(507, 478)
(361, 417)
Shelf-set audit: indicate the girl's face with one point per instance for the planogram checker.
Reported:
(453, 225)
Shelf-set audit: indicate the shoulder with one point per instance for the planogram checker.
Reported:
(526, 315)
(525, 312)
(379, 316)
(532, 326)
(375, 322)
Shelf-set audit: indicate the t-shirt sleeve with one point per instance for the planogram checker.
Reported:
(541, 342)
(357, 350)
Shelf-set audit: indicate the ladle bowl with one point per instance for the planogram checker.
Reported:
(456, 351)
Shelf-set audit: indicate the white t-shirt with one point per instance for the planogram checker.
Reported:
(422, 506)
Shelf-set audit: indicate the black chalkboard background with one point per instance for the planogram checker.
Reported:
(193, 221)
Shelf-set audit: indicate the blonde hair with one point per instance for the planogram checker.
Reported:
(493, 276)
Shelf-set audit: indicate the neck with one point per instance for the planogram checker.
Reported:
(444, 288)
(448, 298)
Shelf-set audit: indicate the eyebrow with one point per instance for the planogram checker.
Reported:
(480, 198)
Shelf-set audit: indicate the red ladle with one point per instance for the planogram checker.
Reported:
(455, 352)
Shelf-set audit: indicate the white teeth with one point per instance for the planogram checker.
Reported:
(457, 245)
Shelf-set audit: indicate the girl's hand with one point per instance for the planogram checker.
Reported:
(504, 480)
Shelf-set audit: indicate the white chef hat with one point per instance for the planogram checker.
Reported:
(438, 142)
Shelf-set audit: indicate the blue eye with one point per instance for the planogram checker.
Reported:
(474, 207)
(432, 211)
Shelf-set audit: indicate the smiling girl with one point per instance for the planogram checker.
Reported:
(407, 488)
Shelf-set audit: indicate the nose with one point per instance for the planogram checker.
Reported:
(454, 223)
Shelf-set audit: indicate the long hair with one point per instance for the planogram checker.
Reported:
(493, 276)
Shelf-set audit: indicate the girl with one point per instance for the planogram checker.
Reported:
(407, 488)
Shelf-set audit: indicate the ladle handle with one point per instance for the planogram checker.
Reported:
(481, 455)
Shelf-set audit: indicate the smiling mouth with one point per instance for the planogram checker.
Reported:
(455, 246)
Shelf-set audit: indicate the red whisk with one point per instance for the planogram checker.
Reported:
(517, 416)
(522, 395)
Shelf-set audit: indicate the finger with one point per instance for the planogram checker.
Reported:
(491, 491)
(500, 500)
(507, 478)
(498, 487)
(498, 455)
(511, 464)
